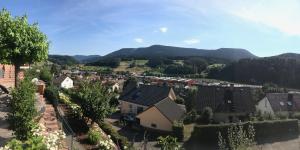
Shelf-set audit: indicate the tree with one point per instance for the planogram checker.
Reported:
(238, 138)
(168, 143)
(46, 75)
(23, 110)
(21, 42)
(207, 115)
(94, 100)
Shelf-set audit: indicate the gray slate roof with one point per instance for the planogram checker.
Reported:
(217, 98)
(146, 95)
(170, 109)
(59, 80)
(284, 101)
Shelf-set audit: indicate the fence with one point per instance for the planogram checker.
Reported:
(65, 127)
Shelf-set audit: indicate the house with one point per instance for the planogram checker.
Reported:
(229, 103)
(274, 103)
(7, 75)
(161, 115)
(153, 105)
(64, 82)
(41, 85)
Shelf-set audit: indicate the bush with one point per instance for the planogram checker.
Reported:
(115, 136)
(168, 143)
(33, 143)
(282, 115)
(191, 117)
(93, 136)
(23, 110)
(263, 130)
(207, 115)
(51, 94)
(46, 75)
(178, 130)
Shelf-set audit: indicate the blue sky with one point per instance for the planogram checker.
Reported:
(101, 26)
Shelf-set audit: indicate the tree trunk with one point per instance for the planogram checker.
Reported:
(17, 70)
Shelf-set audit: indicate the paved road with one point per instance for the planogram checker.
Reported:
(5, 134)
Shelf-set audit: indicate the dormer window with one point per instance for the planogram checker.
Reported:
(289, 103)
(282, 103)
(229, 101)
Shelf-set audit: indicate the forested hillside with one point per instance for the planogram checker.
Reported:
(283, 70)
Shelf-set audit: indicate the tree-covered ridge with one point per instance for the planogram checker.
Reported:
(232, 54)
(62, 59)
(281, 70)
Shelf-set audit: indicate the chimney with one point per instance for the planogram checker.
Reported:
(231, 86)
(290, 97)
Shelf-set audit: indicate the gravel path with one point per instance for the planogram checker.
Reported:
(5, 134)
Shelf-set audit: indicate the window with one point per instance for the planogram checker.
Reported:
(1, 73)
(281, 103)
(130, 108)
(140, 109)
(289, 103)
(153, 125)
(229, 101)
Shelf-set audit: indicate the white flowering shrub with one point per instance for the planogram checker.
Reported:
(106, 144)
(76, 109)
(41, 139)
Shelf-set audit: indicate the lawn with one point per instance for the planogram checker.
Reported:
(139, 68)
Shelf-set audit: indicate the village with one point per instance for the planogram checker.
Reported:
(143, 75)
(149, 107)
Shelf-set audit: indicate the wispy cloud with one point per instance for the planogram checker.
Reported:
(139, 40)
(163, 29)
(191, 41)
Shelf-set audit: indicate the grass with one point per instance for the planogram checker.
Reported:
(188, 130)
(139, 68)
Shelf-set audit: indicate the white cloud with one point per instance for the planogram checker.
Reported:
(191, 41)
(163, 29)
(276, 14)
(139, 40)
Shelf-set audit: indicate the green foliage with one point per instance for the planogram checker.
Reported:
(33, 143)
(277, 70)
(63, 60)
(168, 143)
(21, 42)
(46, 75)
(238, 138)
(179, 100)
(282, 115)
(191, 117)
(178, 130)
(108, 62)
(198, 64)
(94, 100)
(190, 100)
(93, 136)
(208, 134)
(207, 115)
(115, 136)
(179, 70)
(15, 144)
(23, 110)
(51, 93)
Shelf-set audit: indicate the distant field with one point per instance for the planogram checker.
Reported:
(140, 66)
(180, 62)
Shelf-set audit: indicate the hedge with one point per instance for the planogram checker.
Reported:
(115, 136)
(263, 130)
(178, 130)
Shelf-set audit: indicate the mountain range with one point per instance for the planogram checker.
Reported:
(230, 54)
(154, 51)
